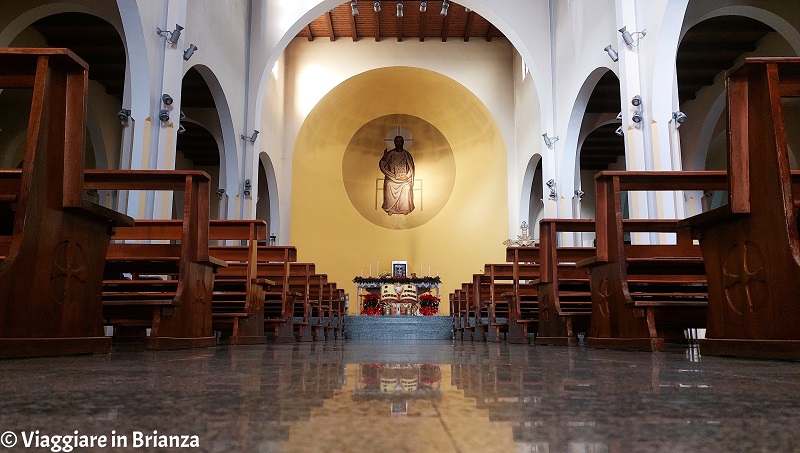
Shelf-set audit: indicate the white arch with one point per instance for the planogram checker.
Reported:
(229, 157)
(272, 188)
(573, 138)
(527, 186)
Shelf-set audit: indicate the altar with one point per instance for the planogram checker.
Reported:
(398, 295)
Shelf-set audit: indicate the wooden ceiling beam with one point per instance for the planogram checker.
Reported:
(468, 28)
(445, 27)
(308, 32)
(489, 32)
(329, 24)
(422, 19)
(353, 28)
(377, 26)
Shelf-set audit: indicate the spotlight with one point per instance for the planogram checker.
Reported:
(423, 6)
(679, 117)
(445, 7)
(172, 36)
(376, 6)
(247, 187)
(549, 141)
(163, 115)
(551, 183)
(166, 99)
(579, 193)
(632, 39)
(399, 9)
(637, 116)
(620, 131)
(612, 53)
(354, 7)
(220, 193)
(189, 52)
(251, 138)
(123, 115)
(636, 101)
(619, 117)
(553, 194)
(181, 129)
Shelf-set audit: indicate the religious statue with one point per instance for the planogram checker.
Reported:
(397, 166)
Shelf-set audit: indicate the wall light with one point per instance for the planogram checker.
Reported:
(123, 115)
(172, 36)
(220, 193)
(399, 9)
(637, 116)
(632, 39)
(251, 138)
(549, 141)
(620, 131)
(248, 187)
(445, 7)
(636, 101)
(163, 115)
(376, 6)
(354, 7)
(166, 99)
(612, 53)
(423, 6)
(580, 194)
(679, 117)
(189, 52)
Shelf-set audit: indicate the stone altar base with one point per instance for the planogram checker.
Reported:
(399, 328)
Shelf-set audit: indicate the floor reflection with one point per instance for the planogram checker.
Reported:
(420, 397)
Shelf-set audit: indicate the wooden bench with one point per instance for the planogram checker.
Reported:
(751, 245)
(564, 293)
(644, 295)
(175, 304)
(274, 264)
(524, 298)
(52, 256)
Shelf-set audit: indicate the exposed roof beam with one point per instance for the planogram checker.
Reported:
(422, 18)
(399, 28)
(308, 32)
(489, 32)
(377, 26)
(353, 28)
(470, 18)
(329, 24)
(445, 27)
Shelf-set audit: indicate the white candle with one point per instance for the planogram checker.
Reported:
(437, 271)
(370, 270)
(420, 268)
(362, 272)
(429, 269)
(377, 268)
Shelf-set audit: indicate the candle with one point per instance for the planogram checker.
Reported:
(420, 268)
(377, 268)
(437, 271)
(362, 272)
(429, 269)
(370, 270)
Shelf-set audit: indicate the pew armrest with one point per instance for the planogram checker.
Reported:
(590, 262)
(708, 218)
(115, 217)
(214, 262)
(265, 282)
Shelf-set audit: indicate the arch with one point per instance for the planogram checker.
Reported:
(527, 190)
(229, 157)
(574, 136)
(272, 188)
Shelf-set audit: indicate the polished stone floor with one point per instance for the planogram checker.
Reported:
(425, 396)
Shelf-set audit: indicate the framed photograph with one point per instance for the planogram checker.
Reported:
(399, 268)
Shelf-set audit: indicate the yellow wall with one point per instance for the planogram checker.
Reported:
(469, 230)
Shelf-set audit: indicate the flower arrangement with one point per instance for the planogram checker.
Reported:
(429, 304)
(387, 278)
(372, 305)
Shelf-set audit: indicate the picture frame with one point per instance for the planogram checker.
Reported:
(399, 268)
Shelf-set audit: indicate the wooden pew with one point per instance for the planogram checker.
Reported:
(643, 295)
(564, 293)
(751, 245)
(274, 264)
(177, 310)
(523, 300)
(52, 262)
(468, 316)
(488, 288)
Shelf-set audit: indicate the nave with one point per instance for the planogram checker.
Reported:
(428, 396)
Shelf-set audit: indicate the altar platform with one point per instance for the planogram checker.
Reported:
(399, 328)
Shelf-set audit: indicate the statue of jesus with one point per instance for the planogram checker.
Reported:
(397, 167)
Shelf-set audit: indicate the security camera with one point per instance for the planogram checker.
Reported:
(166, 99)
(620, 131)
(612, 53)
(679, 117)
(163, 115)
(637, 117)
(123, 115)
(220, 193)
(189, 52)
(579, 193)
(636, 101)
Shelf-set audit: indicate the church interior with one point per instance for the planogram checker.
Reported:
(400, 225)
